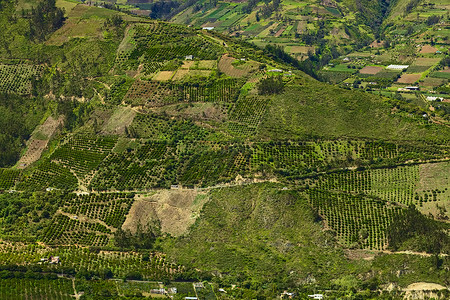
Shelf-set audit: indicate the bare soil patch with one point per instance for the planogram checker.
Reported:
(359, 254)
(176, 210)
(428, 49)
(279, 32)
(409, 78)
(39, 140)
(370, 70)
(376, 44)
(424, 286)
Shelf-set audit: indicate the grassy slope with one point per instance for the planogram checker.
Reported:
(262, 236)
(259, 231)
(319, 109)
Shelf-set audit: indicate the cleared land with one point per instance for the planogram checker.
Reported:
(428, 49)
(39, 140)
(370, 70)
(409, 78)
(175, 210)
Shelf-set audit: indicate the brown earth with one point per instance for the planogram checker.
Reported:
(376, 44)
(370, 70)
(428, 49)
(39, 140)
(422, 290)
(279, 32)
(409, 78)
(176, 210)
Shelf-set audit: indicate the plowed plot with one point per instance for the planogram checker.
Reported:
(370, 70)
(408, 78)
(428, 49)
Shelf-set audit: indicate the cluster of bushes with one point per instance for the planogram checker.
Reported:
(414, 231)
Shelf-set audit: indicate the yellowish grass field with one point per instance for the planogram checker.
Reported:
(163, 76)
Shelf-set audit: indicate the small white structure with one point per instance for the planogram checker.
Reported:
(287, 294)
(208, 28)
(222, 290)
(316, 296)
(276, 71)
(172, 290)
(189, 57)
(433, 98)
(397, 67)
(54, 260)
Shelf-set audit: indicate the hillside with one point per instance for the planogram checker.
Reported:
(148, 155)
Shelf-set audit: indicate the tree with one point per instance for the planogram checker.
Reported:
(45, 19)
(271, 85)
